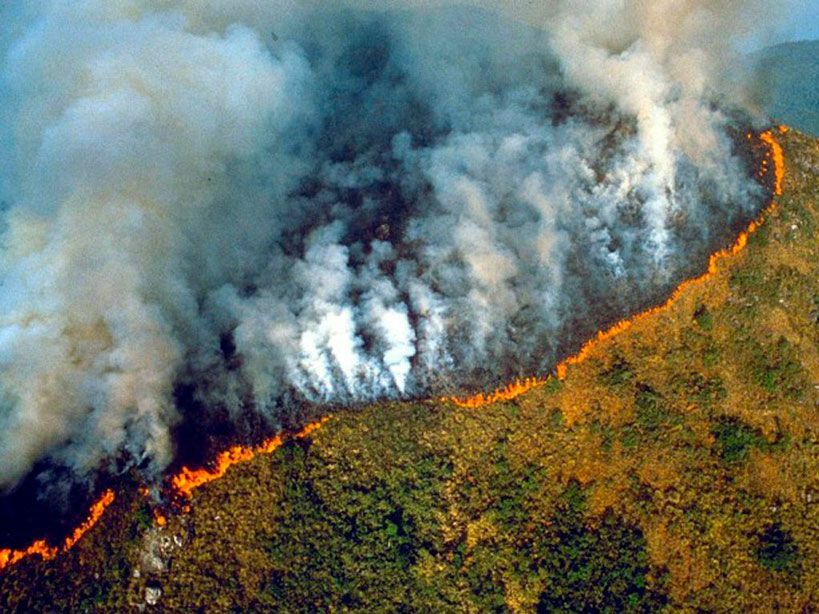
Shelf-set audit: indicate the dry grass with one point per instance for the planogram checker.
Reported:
(676, 466)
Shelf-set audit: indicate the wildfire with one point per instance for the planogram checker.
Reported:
(185, 482)
(41, 547)
(518, 387)
(507, 393)
(188, 480)
(778, 157)
(159, 518)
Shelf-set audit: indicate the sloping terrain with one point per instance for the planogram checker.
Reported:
(789, 81)
(676, 466)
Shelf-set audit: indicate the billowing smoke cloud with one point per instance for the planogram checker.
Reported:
(271, 207)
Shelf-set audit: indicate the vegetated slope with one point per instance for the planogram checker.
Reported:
(677, 466)
(789, 79)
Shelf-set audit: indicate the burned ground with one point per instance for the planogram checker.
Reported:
(675, 467)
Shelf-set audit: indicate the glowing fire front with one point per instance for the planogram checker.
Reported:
(41, 547)
(188, 480)
(778, 157)
(519, 387)
(184, 483)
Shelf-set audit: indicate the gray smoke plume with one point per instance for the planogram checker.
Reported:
(271, 204)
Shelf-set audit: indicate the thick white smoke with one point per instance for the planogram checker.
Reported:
(269, 204)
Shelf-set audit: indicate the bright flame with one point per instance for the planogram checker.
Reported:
(778, 157)
(160, 519)
(518, 387)
(188, 480)
(507, 393)
(10, 557)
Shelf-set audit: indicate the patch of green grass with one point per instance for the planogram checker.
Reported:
(606, 434)
(703, 318)
(772, 286)
(748, 280)
(629, 437)
(710, 356)
(618, 374)
(573, 498)
(652, 412)
(777, 370)
(798, 215)
(552, 385)
(735, 439)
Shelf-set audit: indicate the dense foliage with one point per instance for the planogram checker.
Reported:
(675, 468)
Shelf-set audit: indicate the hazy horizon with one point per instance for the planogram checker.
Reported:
(800, 23)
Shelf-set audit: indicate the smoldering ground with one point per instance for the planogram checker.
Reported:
(256, 207)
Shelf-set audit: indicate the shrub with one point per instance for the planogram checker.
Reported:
(777, 370)
(703, 318)
(618, 374)
(776, 550)
(735, 438)
(595, 569)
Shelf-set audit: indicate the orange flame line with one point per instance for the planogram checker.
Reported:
(520, 386)
(188, 480)
(10, 557)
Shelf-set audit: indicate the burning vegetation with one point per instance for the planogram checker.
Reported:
(371, 205)
(737, 444)
(46, 552)
(188, 480)
(774, 157)
(673, 466)
(340, 221)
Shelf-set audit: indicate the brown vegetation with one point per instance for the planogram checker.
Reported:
(676, 466)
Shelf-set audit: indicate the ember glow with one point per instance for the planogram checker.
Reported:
(204, 221)
(777, 156)
(507, 393)
(519, 387)
(184, 483)
(46, 552)
(188, 480)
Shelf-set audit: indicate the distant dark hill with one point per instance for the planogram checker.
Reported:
(789, 82)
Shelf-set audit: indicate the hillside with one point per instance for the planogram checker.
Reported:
(789, 77)
(677, 465)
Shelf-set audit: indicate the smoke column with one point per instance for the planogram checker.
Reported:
(271, 205)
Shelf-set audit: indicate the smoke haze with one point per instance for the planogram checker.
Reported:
(270, 204)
